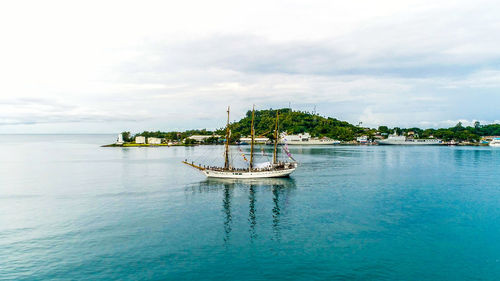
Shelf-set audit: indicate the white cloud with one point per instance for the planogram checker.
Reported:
(177, 64)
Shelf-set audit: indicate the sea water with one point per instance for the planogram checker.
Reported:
(72, 210)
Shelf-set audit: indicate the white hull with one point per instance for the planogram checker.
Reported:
(496, 144)
(248, 175)
(306, 139)
(313, 142)
(408, 142)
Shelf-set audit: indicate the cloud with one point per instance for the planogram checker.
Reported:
(167, 66)
(39, 111)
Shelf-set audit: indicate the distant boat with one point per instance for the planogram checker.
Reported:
(495, 142)
(362, 140)
(257, 140)
(395, 139)
(306, 139)
(270, 169)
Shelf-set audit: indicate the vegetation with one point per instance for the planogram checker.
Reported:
(174, 136)
(457, 133)
(295, 122)
(127, 137)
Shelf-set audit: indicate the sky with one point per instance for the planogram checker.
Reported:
(112, 66)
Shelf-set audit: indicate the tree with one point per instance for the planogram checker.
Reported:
(127, 137)
(383, 130)
(190, 141)
(211, 140)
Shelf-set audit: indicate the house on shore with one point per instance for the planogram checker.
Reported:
(152, 140)
(140, 140)
(119, 140)
(489, 138)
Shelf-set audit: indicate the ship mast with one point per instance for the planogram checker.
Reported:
(253, 138)
(226, 153)
(276, 139)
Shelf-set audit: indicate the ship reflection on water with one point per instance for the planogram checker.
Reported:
(261, 194)
(252, 219)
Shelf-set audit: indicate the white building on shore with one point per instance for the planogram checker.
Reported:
(140, 140)
(152, 140)
(119, 140)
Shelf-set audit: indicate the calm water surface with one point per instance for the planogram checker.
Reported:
(71, 210)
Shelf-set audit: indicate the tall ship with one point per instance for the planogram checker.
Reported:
(305, 139)
(271, 169)
(395, 139)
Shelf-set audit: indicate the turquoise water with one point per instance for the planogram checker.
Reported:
(71, 210)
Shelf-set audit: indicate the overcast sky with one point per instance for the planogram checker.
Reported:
(109, 66)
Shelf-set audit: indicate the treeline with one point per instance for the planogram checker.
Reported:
(295, 122)
(174, 136)
(457, 133)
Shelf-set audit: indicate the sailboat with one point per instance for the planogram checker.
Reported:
(276, 169)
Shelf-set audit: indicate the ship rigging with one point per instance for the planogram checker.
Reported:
(273, 169)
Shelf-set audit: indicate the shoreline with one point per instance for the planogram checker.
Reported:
(299, 145)
(144, 145)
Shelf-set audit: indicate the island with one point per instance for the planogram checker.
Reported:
(313, 125)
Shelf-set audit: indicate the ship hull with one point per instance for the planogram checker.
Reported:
(407, 143)
(248, 175)
(313, 142)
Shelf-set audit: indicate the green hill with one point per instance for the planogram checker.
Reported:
(293, 122)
